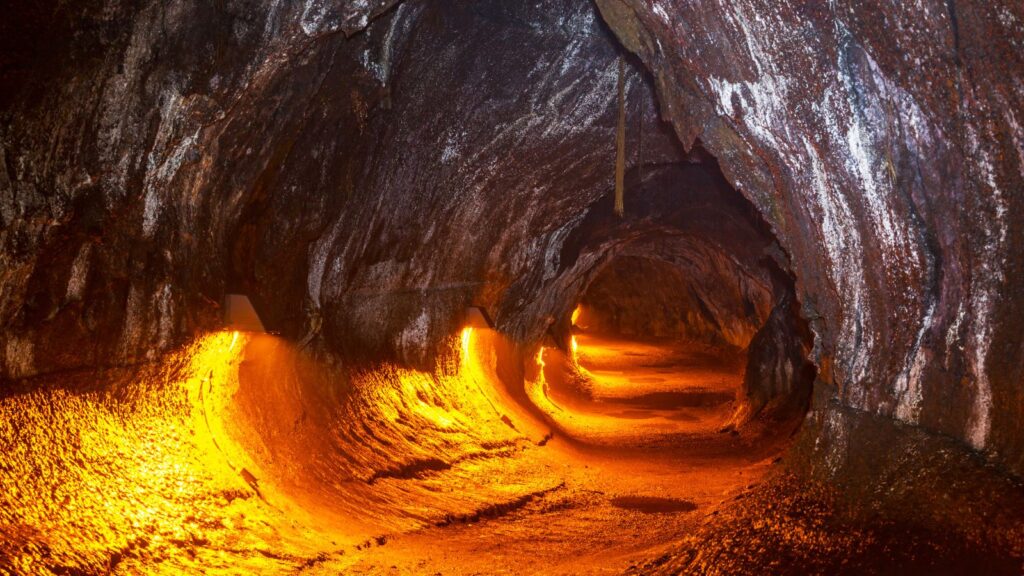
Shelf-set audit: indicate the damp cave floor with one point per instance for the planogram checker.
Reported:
(641, 461)
(638, 478)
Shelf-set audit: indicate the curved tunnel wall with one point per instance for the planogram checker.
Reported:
(243, 452)
(894, 190)
(128, 214)
(362, 192)
(643, 298)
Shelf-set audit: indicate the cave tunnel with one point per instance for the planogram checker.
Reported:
(501, 287)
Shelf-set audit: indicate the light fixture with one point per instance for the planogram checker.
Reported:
(239, 314)
(576, 314)
(477, 317)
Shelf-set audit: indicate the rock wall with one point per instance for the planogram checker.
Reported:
(702, 297)
(498, 136)
(136, 139)
(363, 190)
(884, 146)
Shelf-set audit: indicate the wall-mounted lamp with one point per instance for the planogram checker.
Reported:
(239, 314)
(476, 317)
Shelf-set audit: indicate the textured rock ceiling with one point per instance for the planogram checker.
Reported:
(372, 186)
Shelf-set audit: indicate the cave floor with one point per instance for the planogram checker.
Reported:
(622, 393)
(606, 516)
(646, 464)
(166, 471)
(133, 478)
(645, 491)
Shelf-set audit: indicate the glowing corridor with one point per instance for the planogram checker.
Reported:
(241, 453)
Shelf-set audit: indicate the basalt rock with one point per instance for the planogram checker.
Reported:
(137, 150)
(643, 298)
(360, 191)
(884, 147)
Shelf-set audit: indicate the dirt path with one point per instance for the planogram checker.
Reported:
(224, 462)
(641, 464)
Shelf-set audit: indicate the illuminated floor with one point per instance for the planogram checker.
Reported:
(641, 463)
(242, 456)
(621, 393)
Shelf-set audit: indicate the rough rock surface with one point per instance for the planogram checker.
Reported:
(643, 298)
(362, 191)
(779, 376)
(363, 180)
(885, 147)
(689, 248)
(138, 147)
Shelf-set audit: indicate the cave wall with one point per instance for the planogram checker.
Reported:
(135, 145)
(498, 137)
(884, 146)
(779, 376)
(700, 296)
(682, 214)
(364, 189)
(361, 190)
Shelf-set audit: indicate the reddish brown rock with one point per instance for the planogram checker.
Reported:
(883, 145)
(363, 171)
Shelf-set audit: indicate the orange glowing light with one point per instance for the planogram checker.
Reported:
(576, 314)
(575, 347)
(166, 455)
(192, 456)
(537, 388)
(467, 336)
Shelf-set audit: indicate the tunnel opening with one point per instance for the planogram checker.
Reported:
(646, 338)
(382, 419)
(677, 323)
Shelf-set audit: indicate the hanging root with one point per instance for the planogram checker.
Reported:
(620, 141)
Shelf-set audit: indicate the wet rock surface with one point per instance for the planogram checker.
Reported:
(832, 182)
(883, 146)
(136, 149)
(361, 191)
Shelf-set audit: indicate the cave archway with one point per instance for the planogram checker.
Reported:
(678, 311)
